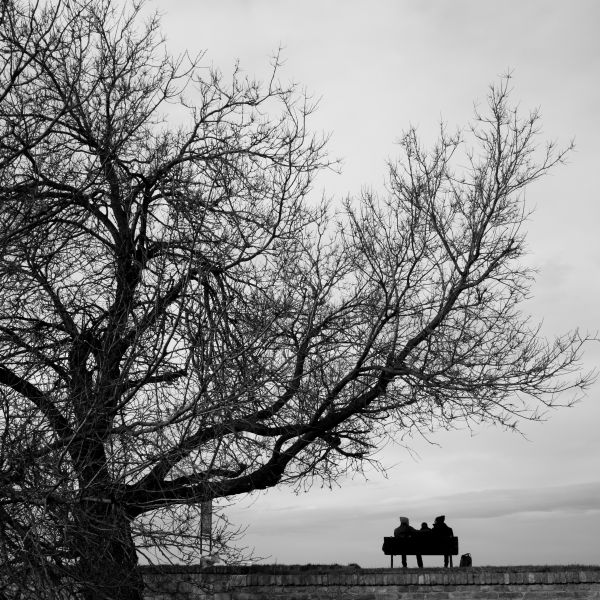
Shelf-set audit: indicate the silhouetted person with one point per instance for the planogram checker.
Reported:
(425, 528)
(440, 528)
(406, 531)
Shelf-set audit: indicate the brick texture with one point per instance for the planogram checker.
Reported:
(314, 583)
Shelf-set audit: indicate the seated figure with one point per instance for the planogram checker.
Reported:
(440, 528)
(405, 530)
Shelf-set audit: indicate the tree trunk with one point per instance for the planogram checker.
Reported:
(108, 566)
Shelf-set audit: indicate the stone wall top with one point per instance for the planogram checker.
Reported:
(326, 575)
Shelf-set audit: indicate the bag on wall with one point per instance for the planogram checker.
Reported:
(465, 560)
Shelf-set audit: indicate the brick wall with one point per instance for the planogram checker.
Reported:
(314, 583)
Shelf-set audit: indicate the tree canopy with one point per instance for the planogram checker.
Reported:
(181, 321)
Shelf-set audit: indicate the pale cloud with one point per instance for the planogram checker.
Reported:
(474, 504)
(493, 503)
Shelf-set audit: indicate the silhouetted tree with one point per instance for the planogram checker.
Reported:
(178, 323)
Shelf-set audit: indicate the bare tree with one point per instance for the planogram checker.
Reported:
(179, 323)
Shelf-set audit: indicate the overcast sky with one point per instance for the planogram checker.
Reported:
(378, 67)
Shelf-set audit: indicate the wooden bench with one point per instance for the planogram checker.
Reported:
(424, 544)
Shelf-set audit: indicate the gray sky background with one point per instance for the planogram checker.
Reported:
(378, 67)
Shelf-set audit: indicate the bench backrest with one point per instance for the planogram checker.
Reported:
(424, 544)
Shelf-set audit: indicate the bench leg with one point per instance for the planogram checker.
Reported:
(392, 560)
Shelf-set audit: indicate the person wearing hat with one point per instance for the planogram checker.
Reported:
(405, 530)
(440, 528)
